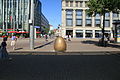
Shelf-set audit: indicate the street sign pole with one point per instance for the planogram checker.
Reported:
(31, 21)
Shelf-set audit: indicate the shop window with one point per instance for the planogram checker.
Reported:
(79, 33)
(88, 34)
(98, 33)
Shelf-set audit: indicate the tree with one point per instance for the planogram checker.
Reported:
(47, 30)
(101, 7)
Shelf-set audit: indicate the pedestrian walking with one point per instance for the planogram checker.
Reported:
(108, 37)
(46, 37)
(69, 37)
(13, 42)
(3, 51)
(5, 37)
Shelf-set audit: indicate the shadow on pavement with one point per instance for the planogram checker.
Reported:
(61, 67)
(90, 42)
(96, 43)
(18, 48)
(43, 45)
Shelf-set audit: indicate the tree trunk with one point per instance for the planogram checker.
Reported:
(103, 29)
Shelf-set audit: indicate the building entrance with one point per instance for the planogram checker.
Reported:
(69, 32)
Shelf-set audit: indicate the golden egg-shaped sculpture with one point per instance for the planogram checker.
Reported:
(60, 44)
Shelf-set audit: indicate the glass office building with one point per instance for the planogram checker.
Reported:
(15, 14)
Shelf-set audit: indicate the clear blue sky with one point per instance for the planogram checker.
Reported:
(52, 11)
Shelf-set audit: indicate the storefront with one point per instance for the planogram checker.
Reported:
(88, 34)
(79, 33)
(98, 33)
(69, 32)
(116, 30)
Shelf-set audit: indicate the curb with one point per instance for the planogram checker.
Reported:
(65, 53)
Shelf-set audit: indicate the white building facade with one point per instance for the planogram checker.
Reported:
(78, 24)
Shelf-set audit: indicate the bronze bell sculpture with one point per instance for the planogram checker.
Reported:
(60, 44)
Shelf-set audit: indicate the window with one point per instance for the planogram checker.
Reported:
(98, 33)
(69, 15)
(86, 4)
(69, 12)
(107, 14)
(66, 3)
(97, 22)
(69, 22)
(79, 33)
(107, 23)
(115, 15)
(71, 3)
(88, 22)
(78, 12)
(88, 34)
(97, 15)
(77, 3)
(78, 22)
(115, 21)
(81, 3)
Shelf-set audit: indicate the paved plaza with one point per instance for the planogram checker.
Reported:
(75, 45)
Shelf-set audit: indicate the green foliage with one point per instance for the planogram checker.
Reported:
(4, 33)
(52, 32)
(102, 6)
(47, 30)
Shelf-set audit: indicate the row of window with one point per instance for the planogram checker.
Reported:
(80, 13)
(77, 4)
(89, 33)
(88, 22)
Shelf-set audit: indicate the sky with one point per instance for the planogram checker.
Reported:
(52, 11)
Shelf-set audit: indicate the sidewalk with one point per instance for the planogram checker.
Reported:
(76, 45)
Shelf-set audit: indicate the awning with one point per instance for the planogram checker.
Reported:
(79, 31)
(21, 32)
(12, 31)
(38, 32)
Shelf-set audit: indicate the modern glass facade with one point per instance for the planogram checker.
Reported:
(16, 14)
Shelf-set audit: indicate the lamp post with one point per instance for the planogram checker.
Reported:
(31, 22)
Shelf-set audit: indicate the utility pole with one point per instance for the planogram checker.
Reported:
(31, 21)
